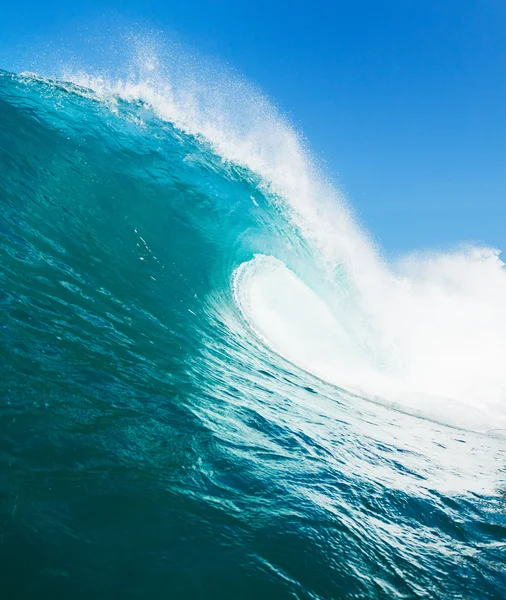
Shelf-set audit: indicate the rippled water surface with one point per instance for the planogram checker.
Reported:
(153, 442)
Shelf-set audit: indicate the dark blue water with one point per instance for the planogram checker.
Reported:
(151, 445)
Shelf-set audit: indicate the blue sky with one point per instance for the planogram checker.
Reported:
(405, 101)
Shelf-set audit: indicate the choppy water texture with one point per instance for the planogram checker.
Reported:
(198, 399)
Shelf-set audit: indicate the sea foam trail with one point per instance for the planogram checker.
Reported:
(427, 334)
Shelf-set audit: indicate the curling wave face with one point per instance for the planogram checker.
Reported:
(195, 330)
(430, 330)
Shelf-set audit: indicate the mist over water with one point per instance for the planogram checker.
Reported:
(229, 392)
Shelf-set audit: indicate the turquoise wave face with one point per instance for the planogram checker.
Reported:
(161, 432)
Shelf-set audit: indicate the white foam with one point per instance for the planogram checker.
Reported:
(294, 321)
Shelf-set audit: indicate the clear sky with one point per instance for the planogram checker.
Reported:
(404, 100)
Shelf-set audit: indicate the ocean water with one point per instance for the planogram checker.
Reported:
(211, 383)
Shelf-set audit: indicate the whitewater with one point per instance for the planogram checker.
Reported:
(202, 348)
